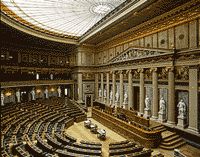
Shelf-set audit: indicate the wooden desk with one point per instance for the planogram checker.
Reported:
(144, 137)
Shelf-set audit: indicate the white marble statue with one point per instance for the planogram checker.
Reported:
(59, 91)
(147, 103)
(33, 94)
(111, 95)
(2, 99)
(100, 94)
(117, 97)
(125, 98)
(46, 92)
(162, 106)
(181, 109)
(18, 96)
(104, 93)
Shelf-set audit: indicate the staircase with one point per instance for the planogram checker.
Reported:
(170, 140)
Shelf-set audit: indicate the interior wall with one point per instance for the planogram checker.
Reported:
(184, 36)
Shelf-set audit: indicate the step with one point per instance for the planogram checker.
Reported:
(171, 138)
(174, 142)
(157, 127)
(167, 134)
(162, 130)
(173, 147)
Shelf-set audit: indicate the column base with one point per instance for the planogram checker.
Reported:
(80, 101)
(162, 118)
(170, 123)
(193, 130)
(154, 118)
(117, 104)
(181, 122)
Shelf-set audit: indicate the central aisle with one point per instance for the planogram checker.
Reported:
(81, 133)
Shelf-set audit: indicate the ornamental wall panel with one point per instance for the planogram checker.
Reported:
(181, 36)
(142, 42)
(199, 32)
(162, 40)
(155, 40)
(171, 41)
(148, 41)
(192, 34)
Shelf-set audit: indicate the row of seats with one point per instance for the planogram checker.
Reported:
(34, 129)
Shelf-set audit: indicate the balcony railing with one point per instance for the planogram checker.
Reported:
(35, 83)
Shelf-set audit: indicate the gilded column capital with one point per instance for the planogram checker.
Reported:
(170, 69)
(141, 70)
(154, 69)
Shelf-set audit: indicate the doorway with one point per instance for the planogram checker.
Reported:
(88, 100)
(136, 98)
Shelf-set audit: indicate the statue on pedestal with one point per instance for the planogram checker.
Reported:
(162, 106)
(104, 93)
(46, 92)
(100, 92)
(117, 97)
(181, 109)
(2, 99)
(33, 94)
(111, 95)
(125, 98)
(147, 103)
(18, 96)
(59, 91)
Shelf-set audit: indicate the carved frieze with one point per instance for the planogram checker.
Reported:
(182, 73)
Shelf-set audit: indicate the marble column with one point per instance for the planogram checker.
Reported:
(193, 99)
(107, 87)
(80, 88)
(142, 90)
(96, 86)
(102, 90)
(171, 97)
(121, 89)
(155, 93)
(113, 85)
(130, 89)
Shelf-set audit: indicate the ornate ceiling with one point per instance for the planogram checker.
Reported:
(64, 17)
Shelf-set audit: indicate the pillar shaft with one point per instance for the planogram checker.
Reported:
(193, 99)
(96, 86)
(171, 97)
(113, 86)
(142, 92)
(121, 89)
(107, 88)
(80, 88)
(102, 87)
(155, 93)
(130, 90)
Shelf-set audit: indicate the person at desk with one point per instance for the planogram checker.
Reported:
(101, 134)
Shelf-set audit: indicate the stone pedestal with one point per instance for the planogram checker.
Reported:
(182, 122)
(147, 113)
(104, 100)
(162, 117)
(125, 105)
(116, 104)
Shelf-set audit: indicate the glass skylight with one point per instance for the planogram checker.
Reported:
(67, 17)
